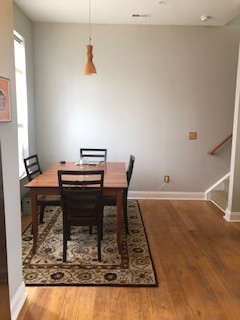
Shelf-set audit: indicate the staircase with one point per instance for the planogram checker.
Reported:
(219, 195)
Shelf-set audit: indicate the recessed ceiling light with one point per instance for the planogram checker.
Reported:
(205, 18)
(161, 1)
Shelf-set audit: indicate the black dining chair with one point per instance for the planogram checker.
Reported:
(112, 201)
(94, 154)
(82, 203)
(33, 169)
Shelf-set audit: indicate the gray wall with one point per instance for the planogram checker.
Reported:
(8, 137)
(154, 85)
(23, 26)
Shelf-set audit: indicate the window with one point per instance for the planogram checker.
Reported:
(22, 107)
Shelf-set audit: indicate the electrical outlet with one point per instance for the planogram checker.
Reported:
(166, 179)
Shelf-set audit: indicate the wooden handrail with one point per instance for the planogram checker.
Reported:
(220, 144)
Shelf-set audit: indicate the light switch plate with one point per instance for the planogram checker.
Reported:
(192, 135)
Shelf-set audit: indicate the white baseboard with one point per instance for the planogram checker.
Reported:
(18, 301)
(232, 216)
(166, 195)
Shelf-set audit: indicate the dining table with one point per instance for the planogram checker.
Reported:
(114, 184)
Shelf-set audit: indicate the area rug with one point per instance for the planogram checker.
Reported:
(134, 267)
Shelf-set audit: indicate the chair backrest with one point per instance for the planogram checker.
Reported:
(130, 168)
(95, 154)
(32, 167)
(81, 192)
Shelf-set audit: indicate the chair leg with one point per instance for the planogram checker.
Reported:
(101, 225)
(99, 236)
(64, 251)
(42, 207)
(65, 236)
(68, 233)
(125, 215)
(90, 229)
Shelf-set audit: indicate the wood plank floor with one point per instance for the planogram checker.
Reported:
(197, 258)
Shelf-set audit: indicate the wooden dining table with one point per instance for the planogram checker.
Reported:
(115, 182)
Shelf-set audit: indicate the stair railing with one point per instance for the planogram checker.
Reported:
(220, 144)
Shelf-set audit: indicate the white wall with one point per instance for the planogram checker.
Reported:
(154, 85)
(8, 137)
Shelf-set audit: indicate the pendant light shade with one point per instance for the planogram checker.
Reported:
(89, 68)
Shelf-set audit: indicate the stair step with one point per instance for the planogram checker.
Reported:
(220, 198)
(226, 185)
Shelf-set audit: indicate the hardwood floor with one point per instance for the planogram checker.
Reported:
(197, 258)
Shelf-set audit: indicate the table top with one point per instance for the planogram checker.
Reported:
(114, 175)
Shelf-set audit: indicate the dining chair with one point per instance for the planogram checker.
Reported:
(82, 203)
(112, 201)
(96, 154)
(33, 169)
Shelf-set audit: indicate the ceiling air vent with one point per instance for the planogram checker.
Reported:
(145, 15)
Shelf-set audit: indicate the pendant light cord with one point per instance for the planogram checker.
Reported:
(89, 22)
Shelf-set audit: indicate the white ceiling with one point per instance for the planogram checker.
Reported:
(172, 12)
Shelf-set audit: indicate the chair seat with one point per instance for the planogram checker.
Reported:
(81, 198)
(112, 201)
(33, 170)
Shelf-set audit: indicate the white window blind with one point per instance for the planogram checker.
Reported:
(22, 107)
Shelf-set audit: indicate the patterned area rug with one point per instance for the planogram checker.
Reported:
(133, 268)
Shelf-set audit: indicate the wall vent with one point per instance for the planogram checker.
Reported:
(145, 15)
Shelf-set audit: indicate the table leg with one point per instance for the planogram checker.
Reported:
(33, 196)
(119, 219)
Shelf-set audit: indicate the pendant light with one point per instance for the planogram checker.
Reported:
(89, 68)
